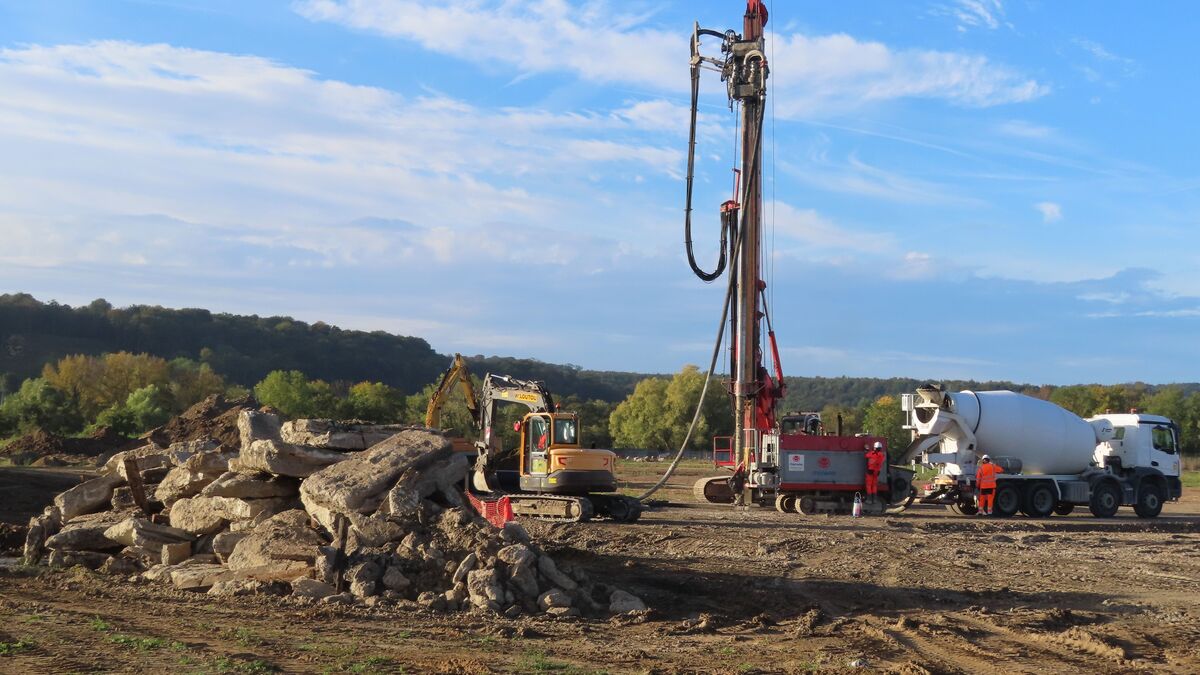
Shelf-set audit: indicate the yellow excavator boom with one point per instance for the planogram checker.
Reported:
(456, 373)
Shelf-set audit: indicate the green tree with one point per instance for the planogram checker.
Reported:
(1083, 400)
(593, 420)
(884, 418)
(850, 419)
(658, 413)
(294, 395)
(38, 404)
(376, 402)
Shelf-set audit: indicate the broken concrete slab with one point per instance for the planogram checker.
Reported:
(181, 482)
(282, 538)
(198, 516)
(198, 576)
(224, 543)
(86, 533)
(359, 484)
(311, 588)
(252, 486)
(283, 459)
(254, 425)
(87, 497)
(323, 433)
(147, 457)
(143, 533)
(179, 453)
(173, 554)
(621, 602)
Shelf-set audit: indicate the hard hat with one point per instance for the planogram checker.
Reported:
(878, 445)
(986, 458)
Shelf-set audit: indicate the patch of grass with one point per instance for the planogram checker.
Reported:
(99, 624)
(539, 662)
(10, 648)
(140, 644)
(228, 664)
(1190, 479)
(246, 638)
(372, 664)
(32, 618)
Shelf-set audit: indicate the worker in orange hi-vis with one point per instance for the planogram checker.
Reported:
(874, 466)
(985, 481)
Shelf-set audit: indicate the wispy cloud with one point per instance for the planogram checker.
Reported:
(1051, 212)
(970, 14)
(817, 74)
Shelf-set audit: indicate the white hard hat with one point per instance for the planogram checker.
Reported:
(878, 445)
(986, 458)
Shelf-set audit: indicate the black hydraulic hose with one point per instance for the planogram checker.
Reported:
(687, 213)
(729, 297)
(712, 366)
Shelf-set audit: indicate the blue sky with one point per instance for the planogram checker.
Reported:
(956, 188)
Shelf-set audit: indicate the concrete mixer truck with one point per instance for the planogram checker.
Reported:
(1052, 459)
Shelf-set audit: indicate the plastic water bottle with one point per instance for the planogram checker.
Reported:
(856, 511)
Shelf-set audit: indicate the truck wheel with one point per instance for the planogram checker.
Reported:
(967, 508)
(806, 506)
(785, 503)
(1064, 508)
(1040, 501)
(1007, 501)
(1106, 499)
(1149, 501)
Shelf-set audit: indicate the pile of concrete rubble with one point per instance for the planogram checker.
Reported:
(326, 511)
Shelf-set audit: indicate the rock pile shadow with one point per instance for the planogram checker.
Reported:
(328, 512)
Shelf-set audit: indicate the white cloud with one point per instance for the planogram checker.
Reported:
(281, 157)
(817, 233)
(1025, 129)
(1050, 211)
(834, 72)
(813, 75)
(536, 36)
(975, 13)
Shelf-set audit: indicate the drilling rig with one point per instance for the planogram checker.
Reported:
(797, 469)
(743, 68)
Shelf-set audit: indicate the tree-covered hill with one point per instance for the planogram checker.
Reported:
(244, 349)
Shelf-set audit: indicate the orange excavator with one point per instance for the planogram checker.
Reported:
(549, 474)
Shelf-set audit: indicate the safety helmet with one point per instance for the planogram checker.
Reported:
(878, 445)
(986, 458)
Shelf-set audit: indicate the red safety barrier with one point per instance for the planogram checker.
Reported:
(496, 511)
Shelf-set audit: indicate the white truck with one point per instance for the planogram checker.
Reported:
(1052, 459)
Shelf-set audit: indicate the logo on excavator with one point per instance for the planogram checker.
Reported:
(532, 398)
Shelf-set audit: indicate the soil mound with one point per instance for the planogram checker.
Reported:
(62, 451)
(215, 417)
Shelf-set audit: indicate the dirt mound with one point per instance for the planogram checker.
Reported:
(215, 417)
(39, 445)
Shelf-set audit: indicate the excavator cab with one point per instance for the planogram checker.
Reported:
(552, 460)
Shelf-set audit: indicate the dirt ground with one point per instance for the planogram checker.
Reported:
(750, 591)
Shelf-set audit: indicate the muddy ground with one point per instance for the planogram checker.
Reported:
(733, 592)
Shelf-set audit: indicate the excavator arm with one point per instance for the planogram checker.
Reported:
(505, 389)
(456, 373)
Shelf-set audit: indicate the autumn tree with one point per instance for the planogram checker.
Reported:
(376, 402)
(658, 413)
(885, 418)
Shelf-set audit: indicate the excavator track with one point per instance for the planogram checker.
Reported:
(555, 508)
(713, 490)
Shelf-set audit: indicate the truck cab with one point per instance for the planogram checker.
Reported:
(1142, 446)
